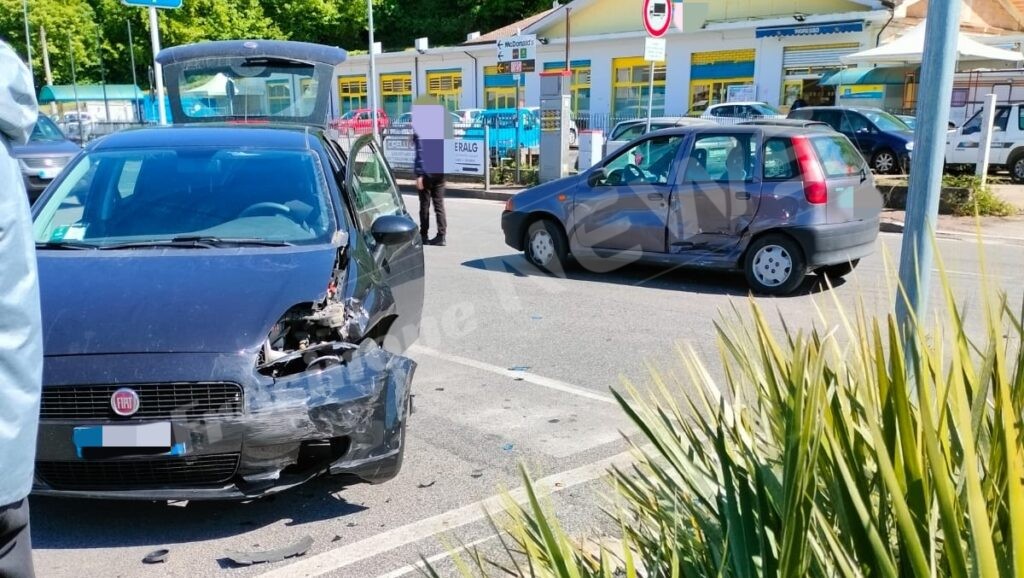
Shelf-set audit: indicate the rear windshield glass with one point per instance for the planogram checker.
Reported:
(246, 90)
(886, 122)
(838, 156)
(46, 131)
(147, 195)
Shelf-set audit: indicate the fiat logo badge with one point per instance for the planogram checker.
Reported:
(125, 402)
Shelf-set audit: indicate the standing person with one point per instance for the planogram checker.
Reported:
(798, 104)
(21, 344)
(431, 189)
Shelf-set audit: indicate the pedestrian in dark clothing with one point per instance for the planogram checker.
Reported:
(431, 189)
(21, 332)
(797, 104)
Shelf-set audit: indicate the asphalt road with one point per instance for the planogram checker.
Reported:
(475, 421)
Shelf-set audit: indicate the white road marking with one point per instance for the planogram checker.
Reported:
(405, 570)
(344, 556)
(511, 374)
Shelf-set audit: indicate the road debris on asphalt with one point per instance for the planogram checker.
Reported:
(423, 486)
(156, 557)
(249, 558)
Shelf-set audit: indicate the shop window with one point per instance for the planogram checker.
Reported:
(630, 80)
(352, 92)
(580, 83)
(499, 89)
(446, 87)
(396, 93)
(279, 96)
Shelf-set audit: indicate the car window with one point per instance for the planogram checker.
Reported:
(802, 113)
(46, 131)
(765, 110)
(721, 158)
(723, 111)
(779, 160)
(853, 123)
(886, 122)
(157, 194)
(838, 156)
(374, 191)
(630, 132)
(648, 162)
(1002, 119)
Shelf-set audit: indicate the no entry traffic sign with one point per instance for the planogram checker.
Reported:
(657, 17)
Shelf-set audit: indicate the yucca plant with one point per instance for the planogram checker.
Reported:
(867, 449)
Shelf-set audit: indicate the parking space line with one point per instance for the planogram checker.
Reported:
(406, 570)
(343, 556)
(513, 374)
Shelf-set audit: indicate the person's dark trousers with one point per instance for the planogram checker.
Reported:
(15, 542)
(433, 192)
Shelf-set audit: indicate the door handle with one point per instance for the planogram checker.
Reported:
(743, 195)
(655, 196)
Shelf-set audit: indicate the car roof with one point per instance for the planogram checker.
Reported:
(674, 120)
(226, 136)
(855, 108)
(767, 130)
(745, 102)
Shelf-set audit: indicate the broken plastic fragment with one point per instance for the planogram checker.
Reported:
(156, 557)
(249, 558)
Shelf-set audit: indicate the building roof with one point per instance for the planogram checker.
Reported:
(67, 92)
(510, 30)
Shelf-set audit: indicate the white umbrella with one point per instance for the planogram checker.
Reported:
(908, 48)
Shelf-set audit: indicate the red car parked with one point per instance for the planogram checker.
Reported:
(360, 121)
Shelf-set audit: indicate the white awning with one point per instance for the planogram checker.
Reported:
(908, 48)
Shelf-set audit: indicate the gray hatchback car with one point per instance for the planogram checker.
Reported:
(777, 203)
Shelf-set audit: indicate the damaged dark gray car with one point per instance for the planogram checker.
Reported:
(226, 303)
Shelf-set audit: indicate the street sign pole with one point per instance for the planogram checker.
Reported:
(519, 151)
(158, 70)
(937, 69)
(135, 80)
(28, 42)
(650, 97)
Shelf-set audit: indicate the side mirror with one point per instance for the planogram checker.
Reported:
(394, 230)
(597, 176)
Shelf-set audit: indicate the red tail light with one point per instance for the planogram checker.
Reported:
(815, 184)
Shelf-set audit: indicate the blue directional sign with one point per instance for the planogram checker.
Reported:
(153, 3)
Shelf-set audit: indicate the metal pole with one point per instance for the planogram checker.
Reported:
(135, 80)
(985, 145)
(650, 97)
(519, 151)
(158, 71)
(46, 65)
(103, 75)
(373, 72)
(937, 68)
(487, 158)
(28, 41)
(74, 87)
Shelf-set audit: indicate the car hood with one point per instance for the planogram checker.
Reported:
(46, 148)
(173, 300)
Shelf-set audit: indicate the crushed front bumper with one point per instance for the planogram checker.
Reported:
(347, 420)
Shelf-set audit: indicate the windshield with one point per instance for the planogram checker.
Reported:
(886, 122)
(249, 90)
(46, 131)
(765, 110)
(129, 196)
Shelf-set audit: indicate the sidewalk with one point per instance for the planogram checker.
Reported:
(1010, 229)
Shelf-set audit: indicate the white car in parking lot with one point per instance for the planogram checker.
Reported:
(734, 112)
(964, 144)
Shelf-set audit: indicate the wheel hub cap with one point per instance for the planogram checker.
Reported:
(542, 247)
(773, 265)
(884, 162)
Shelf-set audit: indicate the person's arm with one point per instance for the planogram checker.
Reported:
(18, 108)
(418, 164)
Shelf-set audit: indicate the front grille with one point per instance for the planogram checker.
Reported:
(45, 162)
(156, 401)
(136, 473)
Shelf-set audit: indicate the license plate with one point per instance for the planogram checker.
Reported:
(150, 435)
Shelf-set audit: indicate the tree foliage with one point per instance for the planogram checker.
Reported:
(95, 32)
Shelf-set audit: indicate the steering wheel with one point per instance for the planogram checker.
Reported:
(271, 208)
(634, 173)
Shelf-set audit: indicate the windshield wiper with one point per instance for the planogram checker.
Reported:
(66, 246)
(198, 242)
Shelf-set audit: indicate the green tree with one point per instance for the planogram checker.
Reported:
(70, 26)
(331, 22)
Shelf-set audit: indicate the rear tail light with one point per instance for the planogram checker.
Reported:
(815, 184)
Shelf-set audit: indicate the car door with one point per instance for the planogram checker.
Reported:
(626, 207)
(860, 131)
(717, 194)
(373, 193)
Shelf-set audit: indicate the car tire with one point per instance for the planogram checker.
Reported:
(839, 271)
(1016, 166)
(546, 246)
(775, 265)
(885, 162)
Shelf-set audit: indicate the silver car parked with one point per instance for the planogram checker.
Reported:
(774, 202)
